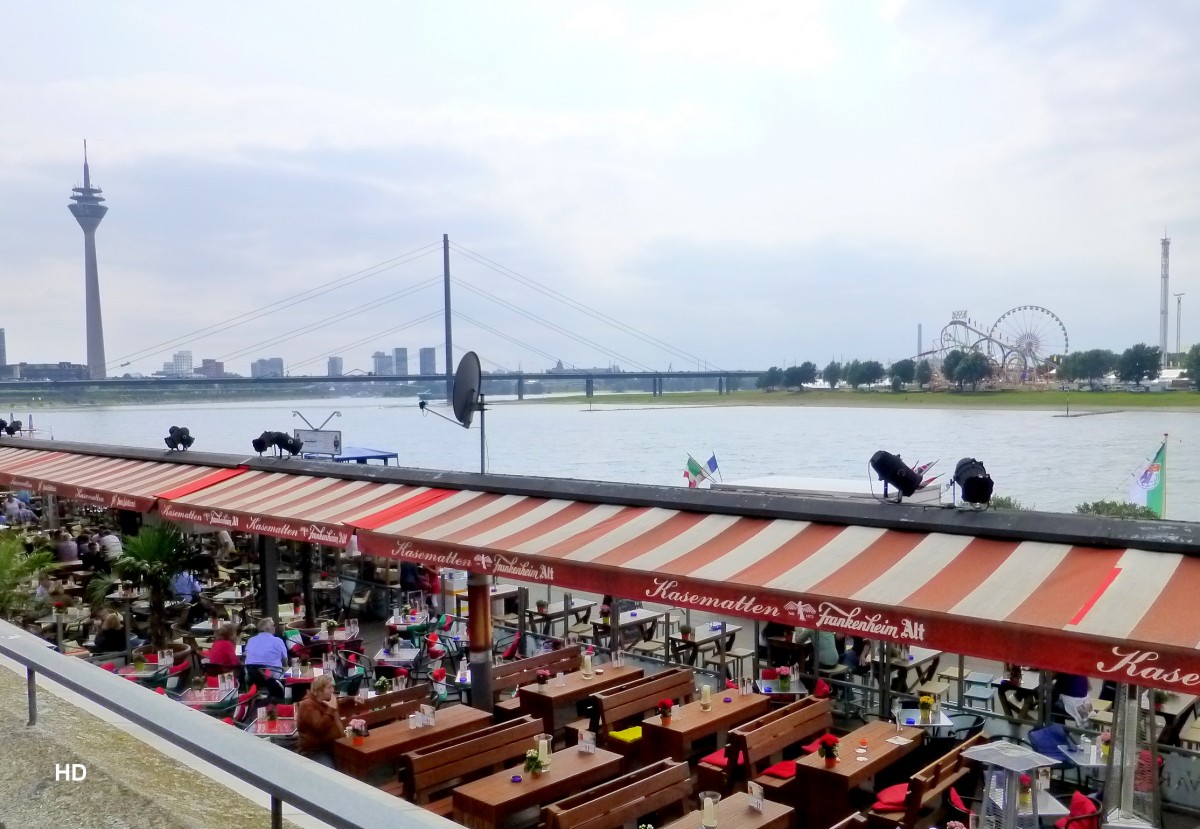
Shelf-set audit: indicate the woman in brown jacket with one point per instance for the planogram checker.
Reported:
(318, 722)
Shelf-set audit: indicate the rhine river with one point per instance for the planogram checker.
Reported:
(1042, 460)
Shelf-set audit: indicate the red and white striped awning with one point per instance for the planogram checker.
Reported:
(295, 507)
(116, 483)
(1089, 610)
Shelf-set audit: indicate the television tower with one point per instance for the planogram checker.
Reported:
(88, 211)
(1164, 309)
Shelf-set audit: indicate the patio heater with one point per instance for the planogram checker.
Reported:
(1007, 804)
(1131, 796)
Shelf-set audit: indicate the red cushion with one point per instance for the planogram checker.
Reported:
(784, 770)
(285, 710)
(770, 673)
(1081, 804)
(811, 747)
(227, 720)
(822, 690)
(891, 799)
(150, 658)
(162, 691)
(109, 666)
(717, 758)
(212, 682)
(957, 802)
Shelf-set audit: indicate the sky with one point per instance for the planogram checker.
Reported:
(731, 185)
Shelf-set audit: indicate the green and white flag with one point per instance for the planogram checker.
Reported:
(694, 472)
(1149, 485)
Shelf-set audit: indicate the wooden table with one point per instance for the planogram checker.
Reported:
(917, 660)
(645, 621)
(488, 802)
(701, 636)
(734, 812)
(822, 796)
(555, 704)
(497, 592)
(388, 743)
(581, 612)
(689, 723)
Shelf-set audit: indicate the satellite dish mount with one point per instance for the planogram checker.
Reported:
(467, 399)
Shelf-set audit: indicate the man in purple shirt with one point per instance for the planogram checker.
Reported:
(265, 657)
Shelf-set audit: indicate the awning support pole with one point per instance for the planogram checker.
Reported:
(305, 563)
(479, 627)
(522, 621)
(566, 616)
(269, 573)
(756, 667)
(961, 668)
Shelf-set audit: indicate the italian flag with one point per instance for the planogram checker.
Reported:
(1149, 485)
(694, 472)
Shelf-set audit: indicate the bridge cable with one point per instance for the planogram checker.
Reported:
(279, 305)
(501, 334)
(530, 282)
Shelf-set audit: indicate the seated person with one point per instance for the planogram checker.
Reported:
(265, 657)
(317, 722)
(66, 549)
(224, 647)
(185, 586)
(111, 638)
(826, 646)
(1015, 700)
(854, 656)
(1067, 692)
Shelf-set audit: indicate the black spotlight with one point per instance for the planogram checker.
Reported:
(263, 442)
(973, 481)
(179, 437)
(12, 428)
(892, 470)
(3, 424)
(286, 443)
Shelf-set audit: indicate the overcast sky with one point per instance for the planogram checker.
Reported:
(751, 183)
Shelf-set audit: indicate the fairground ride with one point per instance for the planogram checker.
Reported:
(1023, 345)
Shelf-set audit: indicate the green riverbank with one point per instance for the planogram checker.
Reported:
(1182, 401)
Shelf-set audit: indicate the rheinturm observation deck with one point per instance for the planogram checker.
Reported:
(88, 210)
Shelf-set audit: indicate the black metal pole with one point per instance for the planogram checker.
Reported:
(449, 334)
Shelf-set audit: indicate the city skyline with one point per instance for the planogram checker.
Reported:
(812, 193)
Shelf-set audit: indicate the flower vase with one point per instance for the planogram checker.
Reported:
(830, 760)
(1104, 748)
(926, 715)
(785, 683)
(666, 719)
(1025, 798)
(357, 739)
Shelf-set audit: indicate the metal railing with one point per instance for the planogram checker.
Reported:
(340, 801)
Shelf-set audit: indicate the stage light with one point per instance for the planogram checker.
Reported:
(179, 437)
(13, 428)
(287, 443)
(892, 470)
(974, 483)
(263, 442)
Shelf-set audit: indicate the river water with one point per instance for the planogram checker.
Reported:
(1049, 462)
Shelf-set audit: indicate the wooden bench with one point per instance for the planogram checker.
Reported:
(927, 787)
(428, 774)
(664, 786)
(385, 708)
(624, 706)
(512, 675)
(751, 747)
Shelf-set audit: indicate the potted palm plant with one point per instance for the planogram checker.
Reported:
(19, 570)
(153, 558)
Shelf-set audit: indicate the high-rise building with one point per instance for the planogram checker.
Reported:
(399, 360)
(88, 211)
(429, 361)
(180, 365)
(267, 367)
(3, 350)
(213, 369)
(381, 364)
(334, 367)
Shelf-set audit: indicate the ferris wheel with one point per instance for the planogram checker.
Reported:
(1024, 339)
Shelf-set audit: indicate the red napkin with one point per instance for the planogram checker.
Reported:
(438, 675)
(162, 691)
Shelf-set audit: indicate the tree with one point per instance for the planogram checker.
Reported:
(807, 374)
(853, 374)
(1116, 509)
(903, 370)
(1096, 363)
(950, 365)
(1139, 362)
(152, 558)
(971, 369)
(1192, 364)
(924, 373)
(872, 372)
(771, 379)
(795, 377)
(18, 570)
(832, 374)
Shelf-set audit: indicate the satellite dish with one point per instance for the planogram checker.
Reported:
(467, 381)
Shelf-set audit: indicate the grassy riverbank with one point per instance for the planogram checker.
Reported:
(1033, 400)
